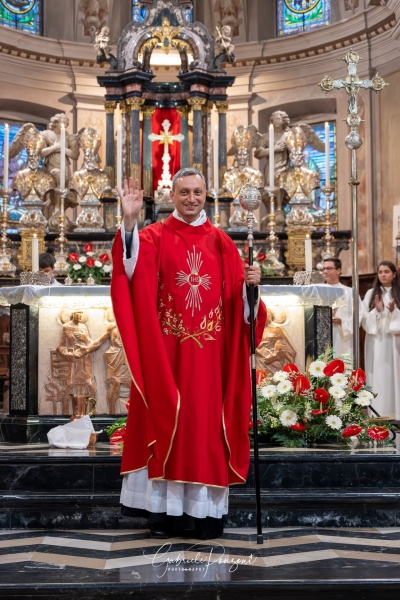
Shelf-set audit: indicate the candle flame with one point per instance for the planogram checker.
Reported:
(62, 126)
(271, 126)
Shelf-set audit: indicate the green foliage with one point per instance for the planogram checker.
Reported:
(118, 423)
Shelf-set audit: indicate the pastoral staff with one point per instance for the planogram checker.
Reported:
(179, 292)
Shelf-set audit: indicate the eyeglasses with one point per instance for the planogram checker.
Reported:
(329, 269)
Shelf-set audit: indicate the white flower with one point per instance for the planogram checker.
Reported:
(107, 268)
(337, 392)
(334, 422)
(284, 387)
(82, 259)
(288, 418)
(364, 398)
(97, 263)
(339, 379)
(89, 253)
(316, 368)
(276, 404)
(268, 391)
(280, 376)
(77, 267)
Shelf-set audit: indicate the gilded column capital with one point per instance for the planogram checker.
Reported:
(222, 106)
(196, 103)
(148, 111)
(110, 106)
(207, 107)
(125, 108)
(134, 103)
(183, 111)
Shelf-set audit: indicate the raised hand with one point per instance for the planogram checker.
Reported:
(392, 305)
(378, 303)
(131, 202)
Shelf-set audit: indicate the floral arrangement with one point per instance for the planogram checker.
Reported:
(297, 410)
(260, 259)
(84, 265)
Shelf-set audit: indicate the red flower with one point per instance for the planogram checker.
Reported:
(301, 385)
(251, 424)
(73, 257)
(357, 379)
(335, 366)
(261, 257)
(88, 248)
(104, 258)
(351, 431)
(90, 262)
(246, 248)
(292, 370)
(246, 261)
(260, 376)
(118, 436)
(319, 411)
(298, 427)
(320, 395)
(378, 433)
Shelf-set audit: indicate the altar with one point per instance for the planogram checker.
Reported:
(64, 340)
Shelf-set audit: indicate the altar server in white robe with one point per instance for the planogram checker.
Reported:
(342, 316)
(381, 320)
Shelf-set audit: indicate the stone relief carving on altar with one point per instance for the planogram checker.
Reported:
(118, 378)
(52, 162)
(93, 16)
(277, 348)
(229, 11)
(72, 362)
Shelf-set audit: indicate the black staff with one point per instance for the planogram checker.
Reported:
(250, 200)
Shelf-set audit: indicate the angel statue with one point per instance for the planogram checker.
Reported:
(240, 173)
(33, 181)
(281, 122)
(223, 46)
(90, 182)
(52, 163)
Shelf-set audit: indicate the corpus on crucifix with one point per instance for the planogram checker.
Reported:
(166, 138)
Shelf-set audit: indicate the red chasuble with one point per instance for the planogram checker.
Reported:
(181, 322)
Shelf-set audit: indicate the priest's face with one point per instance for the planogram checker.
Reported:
(189, 197)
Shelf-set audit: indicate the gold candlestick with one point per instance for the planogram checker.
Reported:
(61, 265)
(277, 267)
(328, 190)
(6, 267)
(217, 217)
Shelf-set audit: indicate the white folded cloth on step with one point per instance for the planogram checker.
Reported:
(75, 434)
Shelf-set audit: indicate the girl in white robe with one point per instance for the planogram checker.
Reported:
(380, 317)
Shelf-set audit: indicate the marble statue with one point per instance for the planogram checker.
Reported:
(95, 13)
(223, 40)
(118, 377)
(102, 44)
(276, 349)
(52, 162)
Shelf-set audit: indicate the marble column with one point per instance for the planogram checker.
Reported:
(198, 159)
(148, 112)
(206, 110)
(126, 129)
(222, 108)
(184, 114)
(110, 140)
(135, 105)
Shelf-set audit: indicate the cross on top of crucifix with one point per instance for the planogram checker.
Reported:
(352, 84)
(166, 138)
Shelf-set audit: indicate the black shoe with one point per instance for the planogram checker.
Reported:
(159, 531)
(209, 528)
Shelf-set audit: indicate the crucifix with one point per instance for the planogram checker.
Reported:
(352, 85)
(166, 138)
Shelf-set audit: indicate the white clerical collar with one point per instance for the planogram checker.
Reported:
(201, 219)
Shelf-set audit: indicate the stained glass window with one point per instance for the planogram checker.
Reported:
(316, 160)
(26, 15)
(15, 164)
(295, 16)
(138, 13)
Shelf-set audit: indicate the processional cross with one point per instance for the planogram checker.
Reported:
(166, 138)
(352, 85)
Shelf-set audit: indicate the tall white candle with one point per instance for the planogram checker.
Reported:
(327, 156)
(271, 156)
(5, 155)
(216, 167)
(119, 157)
(62, 158)
(35, 254)
(308, 252)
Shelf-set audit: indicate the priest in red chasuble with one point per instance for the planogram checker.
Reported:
(179, 292)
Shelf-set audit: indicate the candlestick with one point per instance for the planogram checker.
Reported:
(62, 158)
(327, 156)
(5, 155)
(308, 252)
(216, 167)
(35, 253)
(119, 157)
(271, 156)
